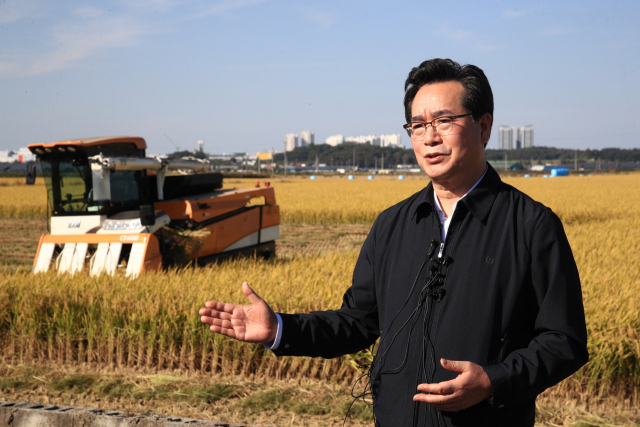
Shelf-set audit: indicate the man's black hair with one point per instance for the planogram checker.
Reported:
(477, 96)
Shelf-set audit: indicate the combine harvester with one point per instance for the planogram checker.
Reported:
(111, 208)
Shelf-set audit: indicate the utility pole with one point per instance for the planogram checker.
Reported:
(316, 162)
(505, 160)
(285, 158)
(354, 160)
(382, 160)
(575, 161)
(375, 159)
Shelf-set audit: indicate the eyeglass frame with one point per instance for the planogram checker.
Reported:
(409, 130)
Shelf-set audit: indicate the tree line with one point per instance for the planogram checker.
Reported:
(368, 156)
(363, 155)
(566, 155)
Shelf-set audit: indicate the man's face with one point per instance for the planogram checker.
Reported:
(457, 156)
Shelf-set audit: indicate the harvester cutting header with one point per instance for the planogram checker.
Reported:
(111, 207)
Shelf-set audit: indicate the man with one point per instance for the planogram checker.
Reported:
(470, 285)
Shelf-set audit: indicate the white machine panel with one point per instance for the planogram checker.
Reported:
(136, 258)
(80, 224)
(44, 257)
(105, 259)
(65, 260)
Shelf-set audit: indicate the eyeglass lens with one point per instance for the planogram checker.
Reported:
(442, 126)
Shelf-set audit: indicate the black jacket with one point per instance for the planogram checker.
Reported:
(506, 297)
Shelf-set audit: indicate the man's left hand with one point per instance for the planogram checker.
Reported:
(471, 386)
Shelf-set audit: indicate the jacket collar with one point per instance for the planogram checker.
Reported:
(479, 201)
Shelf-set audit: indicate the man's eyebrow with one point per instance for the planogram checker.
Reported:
(437, 113)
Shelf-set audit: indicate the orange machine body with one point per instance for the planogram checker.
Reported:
(118, 230)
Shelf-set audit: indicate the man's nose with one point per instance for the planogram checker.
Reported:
(431, 137)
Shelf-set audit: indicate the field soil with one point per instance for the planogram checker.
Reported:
(19, 239)
(296, 240)
(241, 399)
(233, 399)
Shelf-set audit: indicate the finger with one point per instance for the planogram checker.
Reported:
(455, 365)
(443, 388)
(439, 403)
(249, 293)
(225, 324)
(223, 331)
(215, 313)
(220, 306)
(435, 399)
(217, 322)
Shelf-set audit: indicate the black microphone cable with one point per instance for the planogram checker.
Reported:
(368, 386)
(446, 261)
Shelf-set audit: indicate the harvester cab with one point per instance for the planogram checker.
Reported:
(112, 208)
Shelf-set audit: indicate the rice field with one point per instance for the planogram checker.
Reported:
(18, 200)
(152, 323)
(359, 201)
(334, 200)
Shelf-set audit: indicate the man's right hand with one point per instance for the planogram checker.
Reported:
(256, 322)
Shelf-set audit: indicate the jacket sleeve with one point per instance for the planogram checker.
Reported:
(334, 333)
(559, 346)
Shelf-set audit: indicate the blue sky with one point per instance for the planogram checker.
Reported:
(240, 74)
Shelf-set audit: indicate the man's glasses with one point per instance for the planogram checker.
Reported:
(442, 125)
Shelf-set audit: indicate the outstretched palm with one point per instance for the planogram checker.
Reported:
(255, 322)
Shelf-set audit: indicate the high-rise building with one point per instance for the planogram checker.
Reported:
(290, 141)
(201, 146)
(335, 140)
(505, 138)
(525, 136)
(307, 138)
(510, 138)
(394, 140)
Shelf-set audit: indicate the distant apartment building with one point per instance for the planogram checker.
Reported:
(307, 138)
(393, 140)
(362, 139)
(525, 137)
(290, 141)
(513, 138)
(505, 138)
(335, 140)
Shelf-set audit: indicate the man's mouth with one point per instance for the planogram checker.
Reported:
(434, 156)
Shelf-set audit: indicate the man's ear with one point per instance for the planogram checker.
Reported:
(485, 128)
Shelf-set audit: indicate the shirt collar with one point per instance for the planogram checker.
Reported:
(439, 209)
(478, 200)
